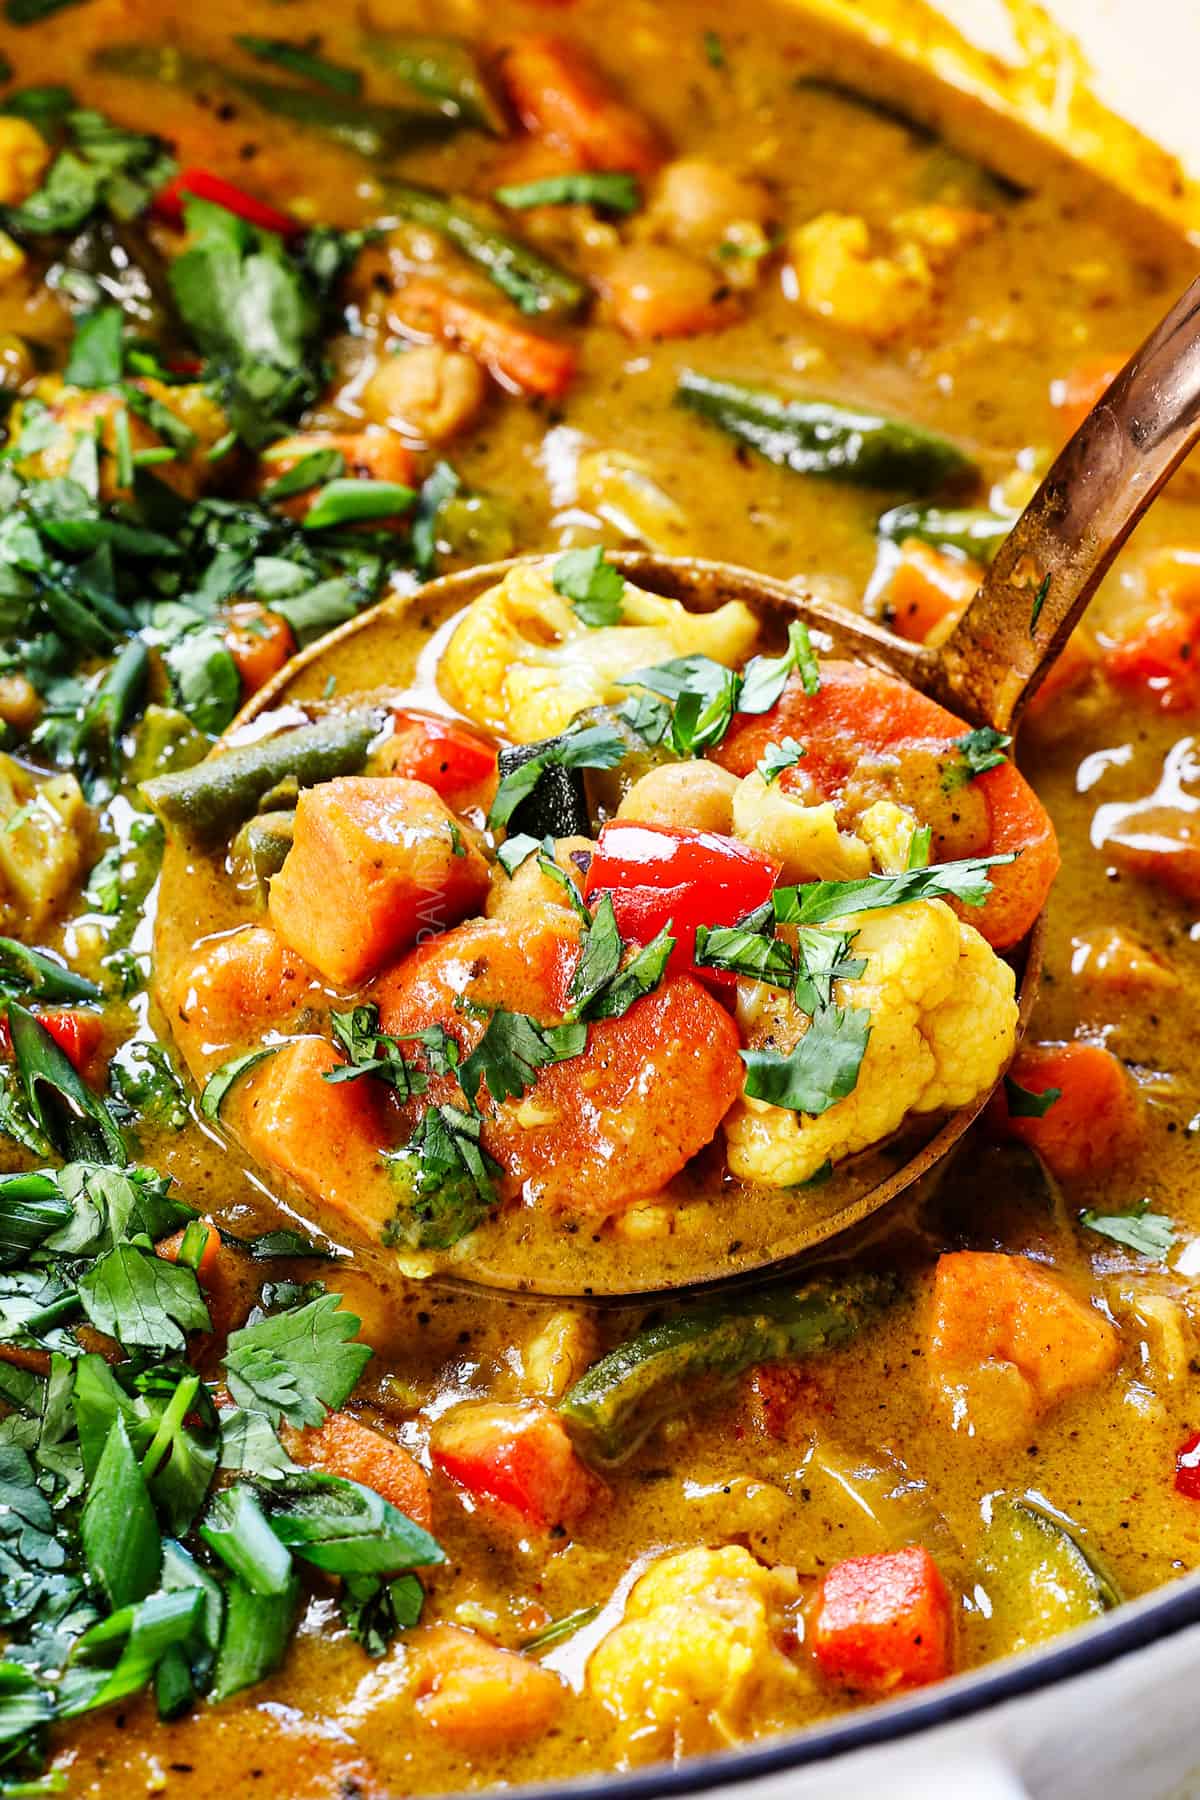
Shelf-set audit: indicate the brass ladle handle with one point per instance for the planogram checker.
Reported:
(1052, 561)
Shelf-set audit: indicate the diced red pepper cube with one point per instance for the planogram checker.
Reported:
(883, 1622)
(660, 875)
(515, 1456)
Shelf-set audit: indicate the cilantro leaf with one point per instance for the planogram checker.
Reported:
(741, 951)
(512, 1050)
(819, 901)
(703, 693)
(1024, 1103)
(821, 1070)
(377, 1609)
(372, 1052)
(296, 1364)
(1150, 1234)
(778, 757)
(593, 586)
(101, 166)
(142, 1300)
(97, 353)
(766, 676)
(822, 957)
(979, 750)
(633, 981)
(447, 1178)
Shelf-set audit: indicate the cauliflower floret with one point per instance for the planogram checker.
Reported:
(45, 828)
(805, 840)
(24, 158)
(943, 1024)
(837, 277)
(887, 830)
(523, 663)
(698, 1660)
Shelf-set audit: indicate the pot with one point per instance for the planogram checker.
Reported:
(1107, 1711)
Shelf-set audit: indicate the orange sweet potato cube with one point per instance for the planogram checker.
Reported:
(376, 863)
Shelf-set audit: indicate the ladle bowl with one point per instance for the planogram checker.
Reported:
(1041, 580)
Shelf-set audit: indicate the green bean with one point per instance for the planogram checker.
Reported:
(970, 529)
(442, 70)
(532, 281)
(217, 794)
(669, 1368)
(376, 132)
(820, 437)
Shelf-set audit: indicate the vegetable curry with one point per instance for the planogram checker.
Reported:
(559, 912)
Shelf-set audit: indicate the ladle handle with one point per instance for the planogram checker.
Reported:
(1050, 564)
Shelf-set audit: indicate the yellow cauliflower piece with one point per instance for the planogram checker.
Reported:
(522, 662)
(24, 159)
(837, 277)
(805, 840)
(698, 1661)
(943, 1024)
(887, 831)
(942, 231)
(45, 826)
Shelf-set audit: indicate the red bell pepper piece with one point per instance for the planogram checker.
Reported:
(1187, 1467)
(77, 1034)
(443, 754)
(662, 875)
(200, 184)
(518, 1457)
(883, 1622)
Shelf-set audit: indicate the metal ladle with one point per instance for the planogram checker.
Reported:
(1039, 583)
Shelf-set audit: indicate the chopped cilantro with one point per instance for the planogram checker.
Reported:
(593, 586)
(296, 1364)
(778, 757)
(370, 1051)
(512, 1050)
(979, 750)
(819, 901)
(1150, 1234)
(446, 1177)
(821, 1070)
(1024, 1103)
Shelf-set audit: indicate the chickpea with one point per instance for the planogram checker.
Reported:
(657, 292)
(20, 704)
(697, 796)
(24, 159)
(16, 362)
(428, 392)
(698, 202)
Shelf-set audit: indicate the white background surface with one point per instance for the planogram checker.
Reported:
(1145, 56)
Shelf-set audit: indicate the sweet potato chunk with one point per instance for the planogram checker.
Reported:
(1008, 1340)
(375, 862)
(230, 989)
(324, 1136)
(342, 1446)
(1096, 1119)
(478, 1696)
